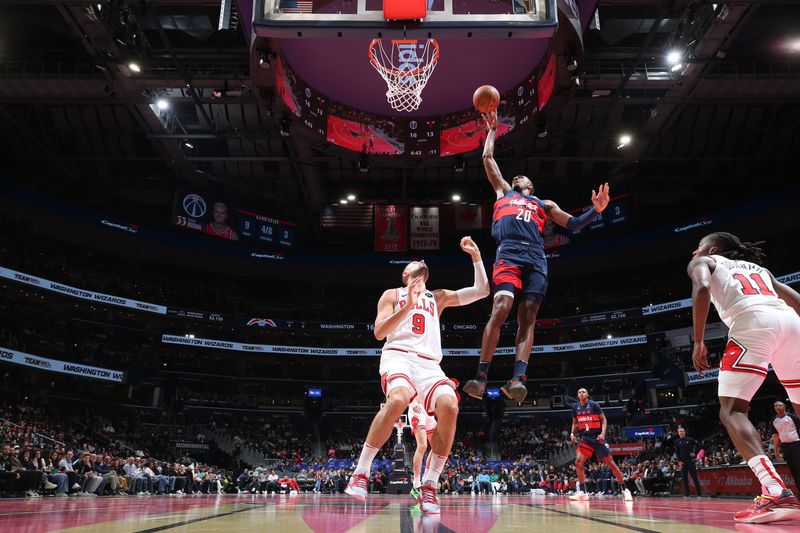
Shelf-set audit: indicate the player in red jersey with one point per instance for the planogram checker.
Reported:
(762, 315)
(219, 226)
(520, 268)
(589, 422)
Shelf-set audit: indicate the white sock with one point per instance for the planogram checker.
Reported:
(368, 454)
(771, 482)
(432, 474)
(416, 482)
(577, 486)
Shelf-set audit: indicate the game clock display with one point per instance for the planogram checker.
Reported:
(422, 138)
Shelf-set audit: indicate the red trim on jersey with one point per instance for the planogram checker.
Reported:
(772, 474)
(794, 384)
(744, 371)
(385, 379)
(426, 404)
(586, 450)
(426, 358)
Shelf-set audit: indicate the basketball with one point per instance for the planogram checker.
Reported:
(486, 98)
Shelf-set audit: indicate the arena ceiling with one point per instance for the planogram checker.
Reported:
(75, 120)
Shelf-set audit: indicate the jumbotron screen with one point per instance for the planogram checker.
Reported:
(219, 218)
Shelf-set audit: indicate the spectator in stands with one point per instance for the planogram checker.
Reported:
(137, 483)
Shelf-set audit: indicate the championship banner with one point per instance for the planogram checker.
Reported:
(424, 228)
(731, 480)
(390, 228)
(80, 293)
(60, 367)
(306, 350)
(627, 448)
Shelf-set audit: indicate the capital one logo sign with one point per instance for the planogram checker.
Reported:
(194, 205)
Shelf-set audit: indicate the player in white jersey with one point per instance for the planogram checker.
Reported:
(422, 425)
(408, 318)
(762, 315)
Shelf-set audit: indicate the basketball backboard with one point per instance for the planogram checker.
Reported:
(445, 18)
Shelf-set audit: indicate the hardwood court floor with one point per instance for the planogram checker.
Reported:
(381, 514)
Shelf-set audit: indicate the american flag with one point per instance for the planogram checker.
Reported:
(297, 6)
(347, 216)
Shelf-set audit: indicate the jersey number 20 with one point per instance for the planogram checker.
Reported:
(523, 214)
(418, 323)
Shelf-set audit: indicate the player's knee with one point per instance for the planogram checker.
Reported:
(398, 398)
(447, 407)
(502, 307)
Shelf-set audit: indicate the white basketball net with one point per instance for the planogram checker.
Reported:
(405, 69)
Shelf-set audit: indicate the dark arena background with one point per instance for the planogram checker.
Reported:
(202, 202)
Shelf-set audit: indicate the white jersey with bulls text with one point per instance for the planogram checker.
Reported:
(419, 333)
(737, 286)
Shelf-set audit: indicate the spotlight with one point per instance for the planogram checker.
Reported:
(793, 45)
(188, 145)
(624, 140)
(673, 57)
(541, 127)
(286, 124)
(456, 198)
(162, 104)
(351, 197)
(342, 201)
(609, 336)
(572, 61)
(134, 67)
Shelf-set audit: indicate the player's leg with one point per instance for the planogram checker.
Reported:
(580, 486)
(534, 287)
(695, 480)
(507, 282)
(421, 437)
(742, 370)
(609, 460)
(442, 399)
(395, 372)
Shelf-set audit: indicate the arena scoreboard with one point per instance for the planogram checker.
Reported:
(221, 219)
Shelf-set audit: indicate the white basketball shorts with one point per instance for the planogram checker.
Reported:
(422, 375)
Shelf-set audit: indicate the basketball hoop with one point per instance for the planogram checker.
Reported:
(406, 69)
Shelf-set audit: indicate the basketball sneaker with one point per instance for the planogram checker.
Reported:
(428, 503)
(627, 496)
(515, 388)
(579, 497)
(770, 509)
(476, 387)
(414, 493)
(358, 487)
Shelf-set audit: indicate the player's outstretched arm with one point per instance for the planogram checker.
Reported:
(499, 185)
(700, 270)
(480, 287)
(787, 294)
(600, 199)
(387, 320)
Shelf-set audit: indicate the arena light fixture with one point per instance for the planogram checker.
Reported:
(674, 57)
(609, 336)
(572, 61)
(189, 145)
(286, 125)
(351, 197)
(624, 140)
(134, 67)
(162, 104)
(456, 198)
(343, 201)
(263, 60)
(541, 127)
(794, 45)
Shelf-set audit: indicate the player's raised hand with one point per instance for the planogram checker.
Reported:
(600, 197)
(469, 246)
(700, 358)
(491, 120)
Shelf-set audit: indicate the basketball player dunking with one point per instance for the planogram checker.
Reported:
(520, 268)
(762, 315)
(408, 318)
